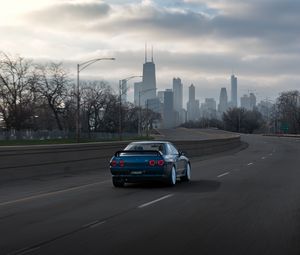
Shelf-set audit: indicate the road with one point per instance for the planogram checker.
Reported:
(193, 134)
(239, 202)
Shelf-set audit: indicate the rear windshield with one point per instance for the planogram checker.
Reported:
(146, 146)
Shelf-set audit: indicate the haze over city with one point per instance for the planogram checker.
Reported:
(202, 42)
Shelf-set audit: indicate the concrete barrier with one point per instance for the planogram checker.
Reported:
(23, 162)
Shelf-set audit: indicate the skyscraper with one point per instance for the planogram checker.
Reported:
(168, 111)
(245, 102)
(149, 80)
(248, 101)
(193, 110)
(208, 108)
(178, 101)
(160, 95)
(192, 93)
(223, 101)
(233, 91)
(178, 94)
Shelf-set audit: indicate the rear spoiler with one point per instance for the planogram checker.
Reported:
(158, 153)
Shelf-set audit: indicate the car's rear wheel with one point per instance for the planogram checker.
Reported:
(118, 183)
(187, 175)
(172, 177)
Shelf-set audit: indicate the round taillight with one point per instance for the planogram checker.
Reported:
(160, 162)
(151, 162)
(113, 163)
(121, 163)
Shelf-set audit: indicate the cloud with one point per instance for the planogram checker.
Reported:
(194, 39)
(66, 14)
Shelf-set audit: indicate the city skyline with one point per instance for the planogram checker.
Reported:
(198, 41)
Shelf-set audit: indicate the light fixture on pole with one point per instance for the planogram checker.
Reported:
(81, 67)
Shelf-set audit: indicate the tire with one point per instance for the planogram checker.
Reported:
(118, 183)
(172, 177)
(187, 175)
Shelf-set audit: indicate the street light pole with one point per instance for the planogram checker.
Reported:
(120, 110)
(78, 108)
(81, 67)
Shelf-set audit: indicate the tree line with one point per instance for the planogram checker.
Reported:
(43, 97)
(282, 117)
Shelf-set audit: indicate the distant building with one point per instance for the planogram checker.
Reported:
(223, 101)
(178, 94)
(192, 93)
(265, 108)
(149, 79)
(245, 102)
(160, 95)
(252, 101)
(168, 112)
(208, 108)
(233, 91)
(193, 110)
(248, 101)
(147, 88)
(178, 100)
(154, 104)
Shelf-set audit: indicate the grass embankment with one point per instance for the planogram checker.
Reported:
(67, 141)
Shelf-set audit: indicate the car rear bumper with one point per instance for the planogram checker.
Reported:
(140, 178)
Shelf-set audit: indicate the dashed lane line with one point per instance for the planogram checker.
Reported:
(155, 201)
(52, 193)
(221, 175)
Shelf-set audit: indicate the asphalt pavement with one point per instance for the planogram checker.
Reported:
(191, 134)
(239, 202)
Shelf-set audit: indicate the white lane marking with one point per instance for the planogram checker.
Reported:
(52, 193)
(97, 224)
(263, 157)
(270, 154)
(155, 201)
(250, 164)
(221, 175)
(93, 224)
(26, 250)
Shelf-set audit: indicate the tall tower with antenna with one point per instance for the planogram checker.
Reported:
(149, 78)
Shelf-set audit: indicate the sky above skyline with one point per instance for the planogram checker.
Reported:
(201, 42)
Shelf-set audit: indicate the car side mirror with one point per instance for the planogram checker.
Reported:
(181, 153)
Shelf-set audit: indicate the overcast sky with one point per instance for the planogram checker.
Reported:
(199, 41)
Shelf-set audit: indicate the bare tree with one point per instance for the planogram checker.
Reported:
(16, 96)
(288, 106)
(53, 87)
(242, 120)
(95, 96)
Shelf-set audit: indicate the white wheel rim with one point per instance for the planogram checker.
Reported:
(188, 172)
(173, 175)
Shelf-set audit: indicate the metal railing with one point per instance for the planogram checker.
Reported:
(57, 134)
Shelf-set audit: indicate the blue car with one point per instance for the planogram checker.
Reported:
(149, 161)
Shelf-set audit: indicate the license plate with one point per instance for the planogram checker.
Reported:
(136, 172)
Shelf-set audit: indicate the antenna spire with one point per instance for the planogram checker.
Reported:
(152, 53)
(145, 52)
